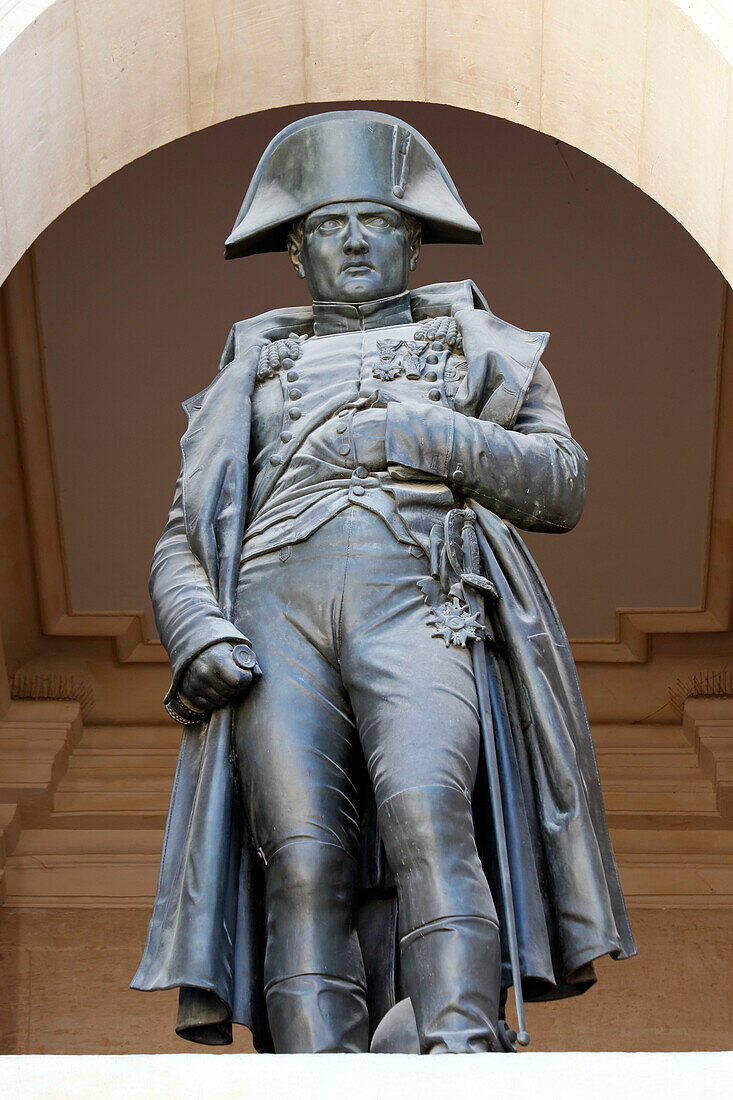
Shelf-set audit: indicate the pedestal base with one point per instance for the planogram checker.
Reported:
(367, 1077)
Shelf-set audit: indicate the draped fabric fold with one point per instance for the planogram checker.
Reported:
(207, 932)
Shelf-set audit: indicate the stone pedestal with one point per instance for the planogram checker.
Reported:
(368, 1077)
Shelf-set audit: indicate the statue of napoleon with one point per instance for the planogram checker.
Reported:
(386, 808)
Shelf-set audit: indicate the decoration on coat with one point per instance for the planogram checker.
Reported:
(279, 354)
(454, 623)
(409, 363)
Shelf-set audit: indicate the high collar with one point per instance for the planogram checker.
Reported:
(333, 317)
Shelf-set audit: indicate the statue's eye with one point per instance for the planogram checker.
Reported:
(377, 221)
(329, 225)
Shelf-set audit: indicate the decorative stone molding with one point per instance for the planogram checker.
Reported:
(126, 78)
(36, 741)
(18, 298)
(99, 847)
(709, 725)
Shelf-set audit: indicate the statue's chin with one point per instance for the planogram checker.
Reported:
(364, 288)
(360, 290)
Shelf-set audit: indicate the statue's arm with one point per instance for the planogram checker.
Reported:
(533, 475)
(187, 615)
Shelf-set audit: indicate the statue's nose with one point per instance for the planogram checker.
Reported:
(356, 242)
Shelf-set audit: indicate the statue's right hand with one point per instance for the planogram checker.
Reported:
(213, 678)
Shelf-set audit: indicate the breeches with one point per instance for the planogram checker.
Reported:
(352, 675)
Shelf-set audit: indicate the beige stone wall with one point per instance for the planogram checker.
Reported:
(65, 978)
(87, 87)
(642, 85)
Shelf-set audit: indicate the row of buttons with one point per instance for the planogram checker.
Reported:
(361, 472)
(344, 450)
(294, 414)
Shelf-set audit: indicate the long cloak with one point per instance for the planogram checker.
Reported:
(206, 932)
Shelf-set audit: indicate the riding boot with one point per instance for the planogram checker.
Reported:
(452, 971)
(450, 950)
(315, 988)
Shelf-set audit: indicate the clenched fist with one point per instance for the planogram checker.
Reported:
(214, 677)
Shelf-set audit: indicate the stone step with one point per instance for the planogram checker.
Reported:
(110, 819)
(96, 769)
(658, 797)
(643, 737)
(650, 821)
(649, 774)
(88, 881)
(119, 868)
(58, 842)
(105, 801)
(10, 826)
(124, 778)
(168, 738)
(648, 758)
(121, 738)
(672, 842)
(626, 842)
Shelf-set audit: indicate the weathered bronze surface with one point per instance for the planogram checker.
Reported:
(386, 788)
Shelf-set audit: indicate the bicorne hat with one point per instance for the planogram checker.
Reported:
(348, 156)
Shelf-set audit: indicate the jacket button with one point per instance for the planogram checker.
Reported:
(431, 376)
(341, 428)
(361, 471)
(292, 376)
(344, 449)
(344, 412)
(434, 395)
(294, 414)
(432, 359)
(438, 346)
(458, 474)
(286, 436)
(276, 460)
(358, 490)
(294, 395)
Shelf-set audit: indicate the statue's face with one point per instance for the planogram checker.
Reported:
(355, 252)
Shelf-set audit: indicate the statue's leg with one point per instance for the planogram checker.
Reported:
(299, 763)
(415, 706)
(449, 934)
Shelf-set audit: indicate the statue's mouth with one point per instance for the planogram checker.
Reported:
(357, 268)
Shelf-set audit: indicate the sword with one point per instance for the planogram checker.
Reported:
(492, 714)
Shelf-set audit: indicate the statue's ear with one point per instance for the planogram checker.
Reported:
(294, 247)
(414, 235)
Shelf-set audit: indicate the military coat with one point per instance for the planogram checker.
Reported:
(206, 930)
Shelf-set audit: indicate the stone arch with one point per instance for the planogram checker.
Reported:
(642, 85)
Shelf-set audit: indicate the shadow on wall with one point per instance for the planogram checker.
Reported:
(137, 300)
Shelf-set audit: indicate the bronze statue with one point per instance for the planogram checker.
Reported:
(387, 799)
